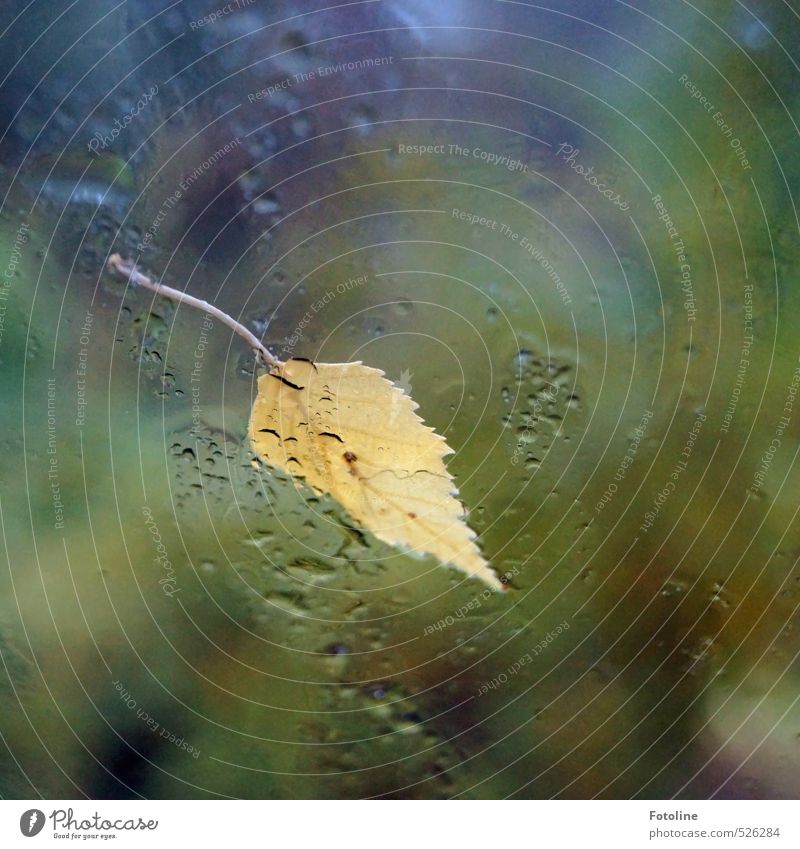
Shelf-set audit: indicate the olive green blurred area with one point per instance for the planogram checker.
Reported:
(176, 620)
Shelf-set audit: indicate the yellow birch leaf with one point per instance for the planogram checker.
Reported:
(348, 432)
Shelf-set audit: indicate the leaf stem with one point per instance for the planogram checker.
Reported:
(128, 269)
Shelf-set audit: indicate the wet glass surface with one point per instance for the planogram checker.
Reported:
(568, 231)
